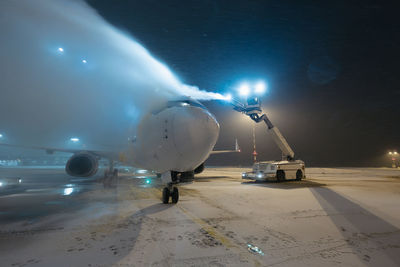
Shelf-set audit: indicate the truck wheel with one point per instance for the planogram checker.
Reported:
(299, 175)
(280, 176)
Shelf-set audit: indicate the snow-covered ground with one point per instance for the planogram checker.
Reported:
(335, 217)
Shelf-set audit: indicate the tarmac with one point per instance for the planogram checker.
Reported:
(334, 217)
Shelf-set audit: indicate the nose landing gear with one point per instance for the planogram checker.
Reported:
(170, 191)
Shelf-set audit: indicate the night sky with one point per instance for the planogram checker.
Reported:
(332, 70)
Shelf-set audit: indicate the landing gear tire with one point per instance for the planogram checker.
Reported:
(299, 175)
(175, 195)
(280, 176)
(165, 195)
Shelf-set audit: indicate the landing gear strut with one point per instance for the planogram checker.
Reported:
(170, 191)
(110, 178)
(171, 179)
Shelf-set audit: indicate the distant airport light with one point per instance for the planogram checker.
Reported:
(147, 181)
(74, 139)
(1, 184)
(244, 89)
(84, 61)
(260, 87)
(393, 155)
(1, 136)
(60, 49)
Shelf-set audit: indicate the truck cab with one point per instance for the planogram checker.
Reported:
(276, 171)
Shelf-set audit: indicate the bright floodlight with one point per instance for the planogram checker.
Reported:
(1, 136)
(74, 139)
(390, 152)
(244, 90)
(84, 61)
(260, 87)
(60, 49)
(395, 152)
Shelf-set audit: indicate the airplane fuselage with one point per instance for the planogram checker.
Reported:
(179, 137)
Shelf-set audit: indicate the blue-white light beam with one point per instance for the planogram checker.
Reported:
(244, 89)
(260, 87)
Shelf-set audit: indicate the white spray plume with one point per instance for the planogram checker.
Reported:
(195, 92)
(63, 67)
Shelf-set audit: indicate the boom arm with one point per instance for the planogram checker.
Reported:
(287, 151)
(253, 110)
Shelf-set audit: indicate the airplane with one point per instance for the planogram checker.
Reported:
(174, 141)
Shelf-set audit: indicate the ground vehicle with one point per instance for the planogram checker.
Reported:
(276, 170)
(288, 167)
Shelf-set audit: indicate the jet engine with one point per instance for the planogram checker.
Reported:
(82, 165)
(199, 169)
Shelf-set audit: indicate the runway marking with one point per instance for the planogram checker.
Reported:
(226, 241)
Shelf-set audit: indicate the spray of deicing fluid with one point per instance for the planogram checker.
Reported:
(64, 67)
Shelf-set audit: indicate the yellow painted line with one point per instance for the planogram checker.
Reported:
(226, 241)
(210, 230)
(215, 234)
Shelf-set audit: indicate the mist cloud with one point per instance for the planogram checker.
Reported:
(98, 86)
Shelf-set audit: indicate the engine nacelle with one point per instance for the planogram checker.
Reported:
(199, 169)
(82, 165)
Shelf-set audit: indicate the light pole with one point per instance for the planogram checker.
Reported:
(393, 155)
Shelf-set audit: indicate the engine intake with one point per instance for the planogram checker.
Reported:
(82, 165)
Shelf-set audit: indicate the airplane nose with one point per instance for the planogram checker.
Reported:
(195, 134)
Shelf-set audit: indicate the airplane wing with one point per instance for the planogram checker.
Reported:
(237, 150)
(51, 150)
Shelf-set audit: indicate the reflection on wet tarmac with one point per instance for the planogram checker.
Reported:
(48, 190)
